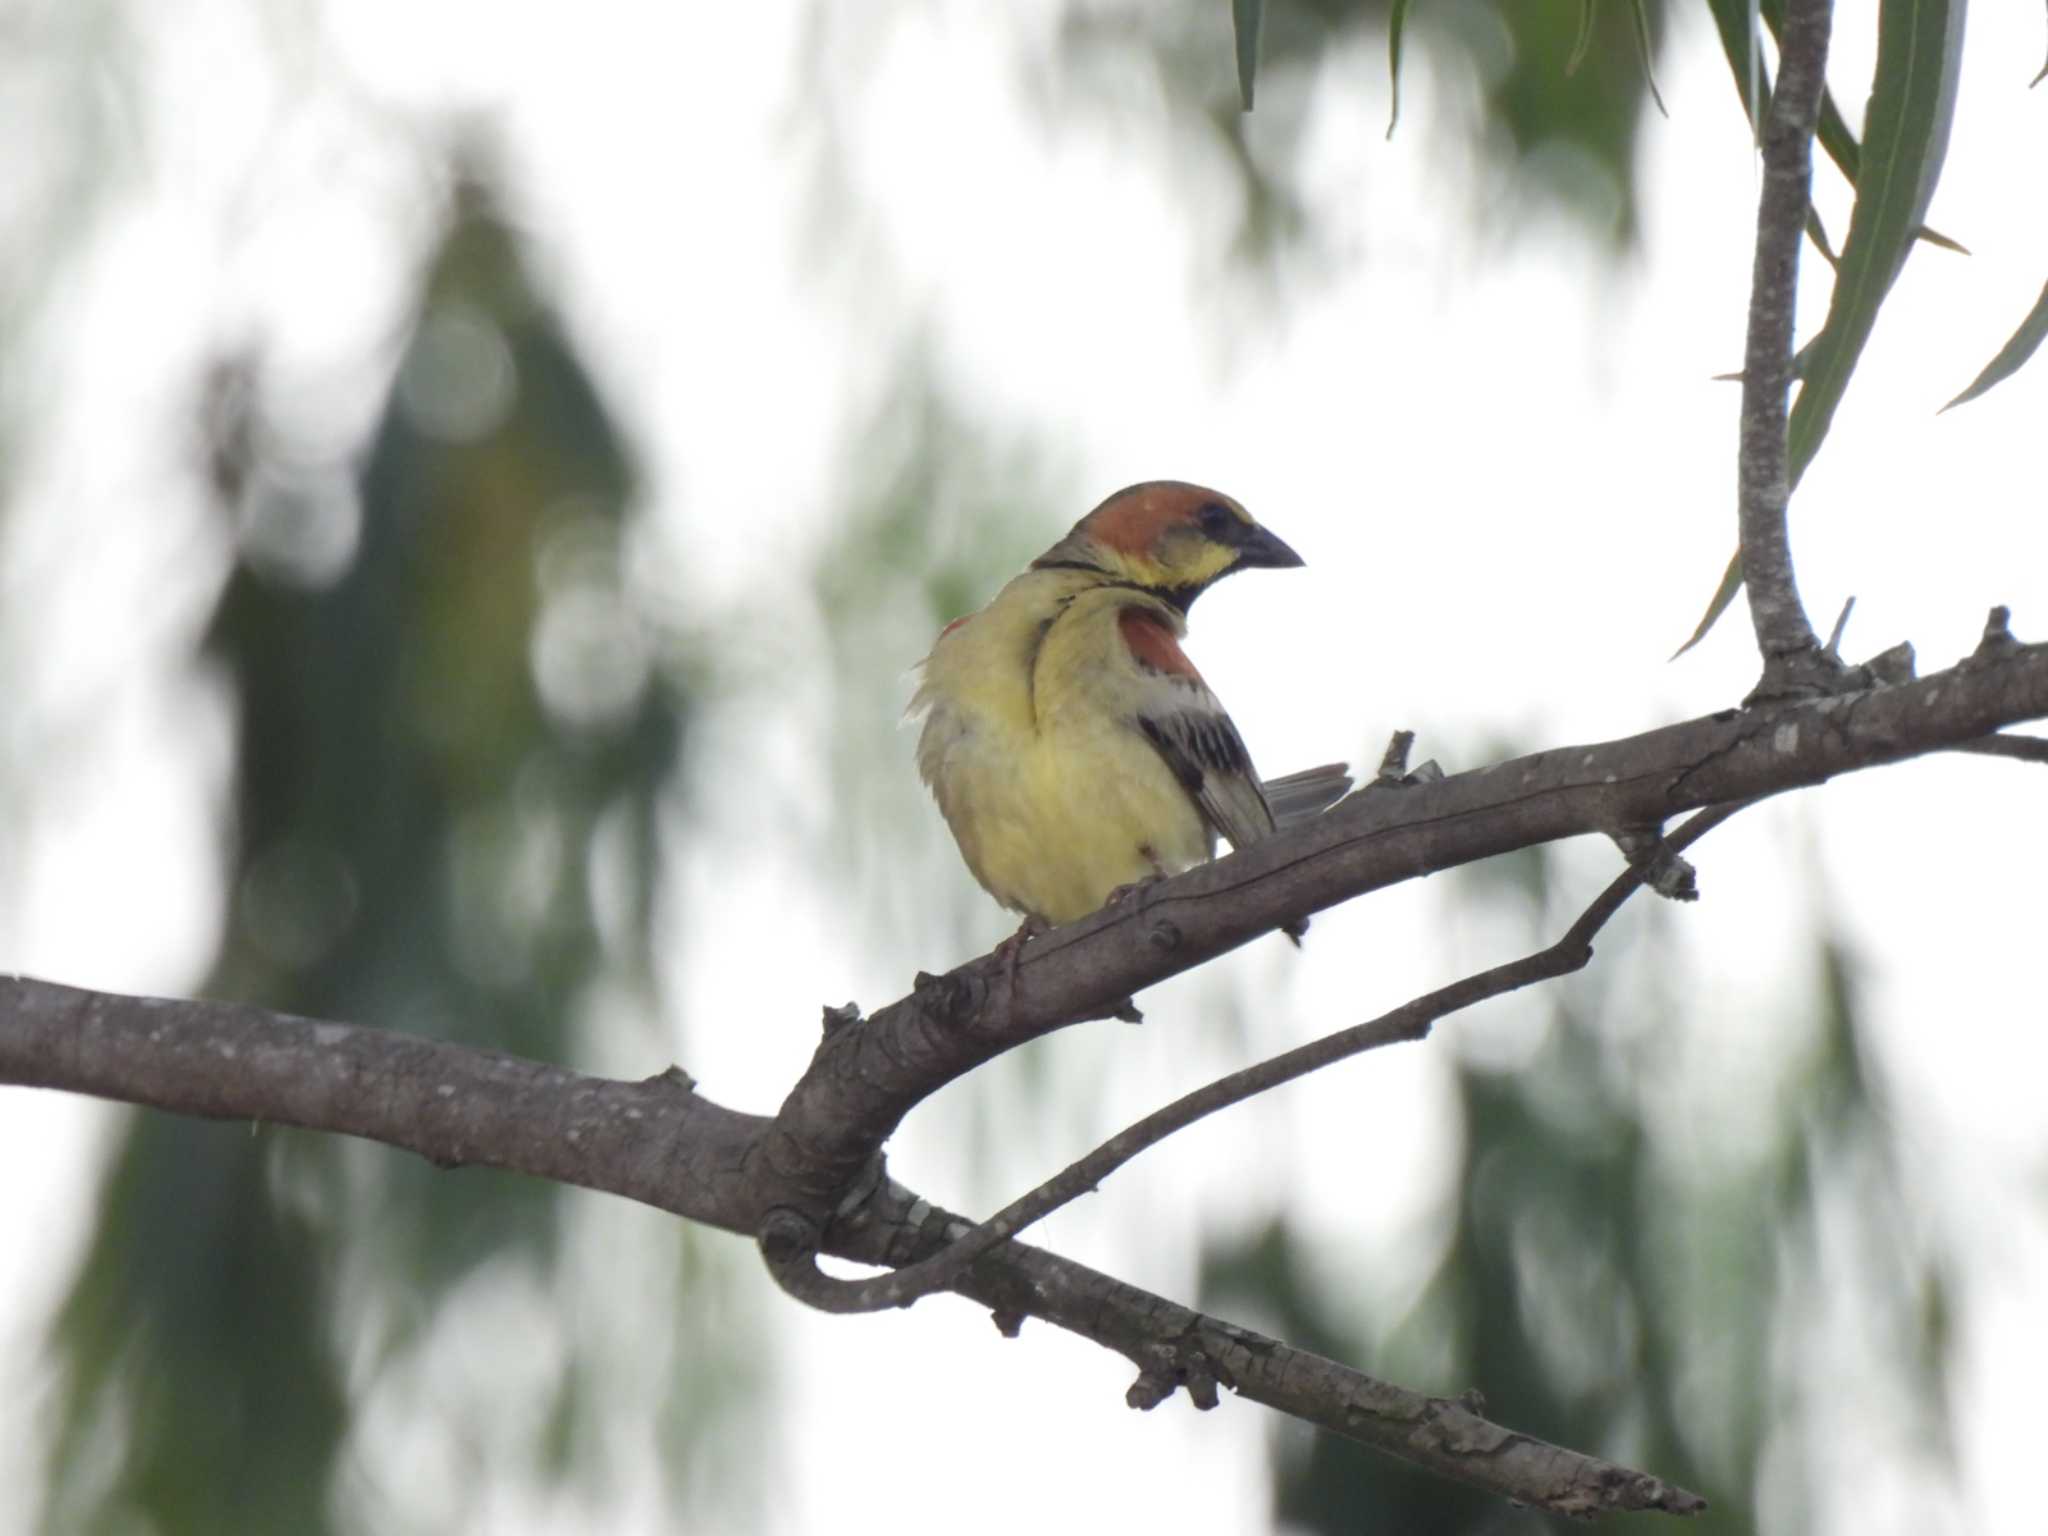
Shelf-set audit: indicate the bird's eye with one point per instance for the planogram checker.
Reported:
(1218, 522)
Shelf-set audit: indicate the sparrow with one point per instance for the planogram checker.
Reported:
(1072, 747)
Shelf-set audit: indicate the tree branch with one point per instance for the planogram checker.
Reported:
(2025, 749)
(1176, 1347)
(660, 1142)
(868, 1074)
(1794, 663)
(656, 1141)
(792, 1248)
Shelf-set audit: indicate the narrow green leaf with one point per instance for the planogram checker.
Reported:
(1245, 16)
(1736, 22)
(1906, 126)
(1759, 81)
(1644, 51)
(1817, 232)
(1731, 583)
(1842, 148)
(1397, 18)
(2014, 354)
(1840, 143)
(1836, 138)
(1589, 11)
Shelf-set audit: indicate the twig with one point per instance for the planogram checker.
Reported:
(1394, 761)
(1175, 1347)
(2025, 749)
(1834, 645)
(790, 1242)
(1794, 665)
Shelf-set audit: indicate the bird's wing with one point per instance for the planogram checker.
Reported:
(1186, 724)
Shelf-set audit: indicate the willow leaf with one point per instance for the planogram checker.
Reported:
(1589, 14)
(1245, 16)
(1735, 21)
(1731, 583)
(1645, 52)
(1836, 138)
(1397, 19)
(1906, 127)
(2013, 355)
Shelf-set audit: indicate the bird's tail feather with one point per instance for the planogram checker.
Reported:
(1298, 796)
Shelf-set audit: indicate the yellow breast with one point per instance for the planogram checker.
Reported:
(1054, 799)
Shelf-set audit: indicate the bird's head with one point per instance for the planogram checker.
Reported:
(1168, 537)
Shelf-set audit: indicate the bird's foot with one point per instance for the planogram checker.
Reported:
(1011, 950)
(1138, 891)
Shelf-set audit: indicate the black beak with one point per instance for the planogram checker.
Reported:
(1259, 548)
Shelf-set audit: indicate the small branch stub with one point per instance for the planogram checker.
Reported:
(1834, 646)
(1997, 642)
(1394, 761)
(1394, 772)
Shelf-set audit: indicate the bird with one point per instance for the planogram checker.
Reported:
(1073, 748)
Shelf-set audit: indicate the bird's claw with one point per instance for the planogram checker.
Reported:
(1137, 890)
(1012, 949)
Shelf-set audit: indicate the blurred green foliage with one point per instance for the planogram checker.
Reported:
(455, 736)
(1561, 86)
(938, 509)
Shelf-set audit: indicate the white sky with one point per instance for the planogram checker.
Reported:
(1532, 582)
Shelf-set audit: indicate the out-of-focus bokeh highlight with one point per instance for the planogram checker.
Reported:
(473, 480)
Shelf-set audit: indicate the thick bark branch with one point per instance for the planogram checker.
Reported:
(2023, 749)
(656, 1141)
(660, 1142)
